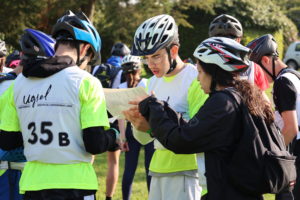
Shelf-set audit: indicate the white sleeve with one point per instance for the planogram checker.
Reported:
(141, 137)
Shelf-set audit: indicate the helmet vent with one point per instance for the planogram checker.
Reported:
(201, 51)
(144, 26)
(170, 27)
(154, 39)
(93, 31)
(147, 35)
(151, 25)
(164, 38)
(237, 27)
(160, 26)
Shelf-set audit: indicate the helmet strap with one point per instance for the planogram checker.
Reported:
(273, 68)
(272, 75)
(173, 63)
(79, 61)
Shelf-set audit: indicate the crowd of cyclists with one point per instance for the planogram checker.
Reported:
(53, 115)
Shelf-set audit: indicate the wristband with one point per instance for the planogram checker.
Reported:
(117, 133)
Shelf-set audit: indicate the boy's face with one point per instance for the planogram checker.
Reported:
(158, 62)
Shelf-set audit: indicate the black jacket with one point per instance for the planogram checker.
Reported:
(214, 130)
(96, 139)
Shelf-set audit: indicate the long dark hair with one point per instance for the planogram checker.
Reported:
(251, 94)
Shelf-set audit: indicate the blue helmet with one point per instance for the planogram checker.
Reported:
(35, 43)
(78, 27)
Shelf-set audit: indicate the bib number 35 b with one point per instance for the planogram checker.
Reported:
(45, 135)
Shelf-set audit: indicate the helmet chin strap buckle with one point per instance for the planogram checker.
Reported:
(173, 63)
(172, 66)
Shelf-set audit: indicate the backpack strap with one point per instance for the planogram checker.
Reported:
(234, 94)
(292, 71)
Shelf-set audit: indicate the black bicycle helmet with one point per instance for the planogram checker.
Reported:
(120, 49)
(262, 46)
(225, 26)
(78, 27)
(3, 50)
(15, 55)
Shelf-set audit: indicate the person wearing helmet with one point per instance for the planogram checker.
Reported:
(157, 40)
(286, 96)
(110, 73)
(110, 76)
(60, 110)
(14, 159)
(13, 59)
(131, 67)
(215, 127)
(228, 26)
(3, 53)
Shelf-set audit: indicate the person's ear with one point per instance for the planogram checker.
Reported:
(174, 51)
(265, 60)
(84, 49)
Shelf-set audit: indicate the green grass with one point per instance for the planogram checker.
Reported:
(139, 187)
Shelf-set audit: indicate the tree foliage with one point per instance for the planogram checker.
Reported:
(117, 20)
(261, 15)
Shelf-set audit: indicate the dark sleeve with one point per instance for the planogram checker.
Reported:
(10, 140)
(97, 140)
(210, 128)
(285, 95)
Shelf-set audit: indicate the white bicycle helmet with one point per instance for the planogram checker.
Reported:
(131, 63)
(226, 53)
(154, 34)
(131, 59)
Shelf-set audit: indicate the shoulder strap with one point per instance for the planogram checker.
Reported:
(233, 94)
(292, 71)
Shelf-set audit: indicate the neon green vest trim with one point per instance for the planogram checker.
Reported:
(196, 97)
(165, 161)
(39, 176)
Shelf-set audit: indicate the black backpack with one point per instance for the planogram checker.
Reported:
(107, 73)
(260, 162)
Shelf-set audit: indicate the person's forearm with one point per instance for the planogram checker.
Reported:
(97, 140)
(10, 140)
(121, 125)
(289, 133)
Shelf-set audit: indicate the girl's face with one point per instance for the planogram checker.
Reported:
(204, 79)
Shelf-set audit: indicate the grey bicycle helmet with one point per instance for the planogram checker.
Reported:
(225, 26)
(154, 34)
(120, 49)
(226, 53)
(3, 50)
